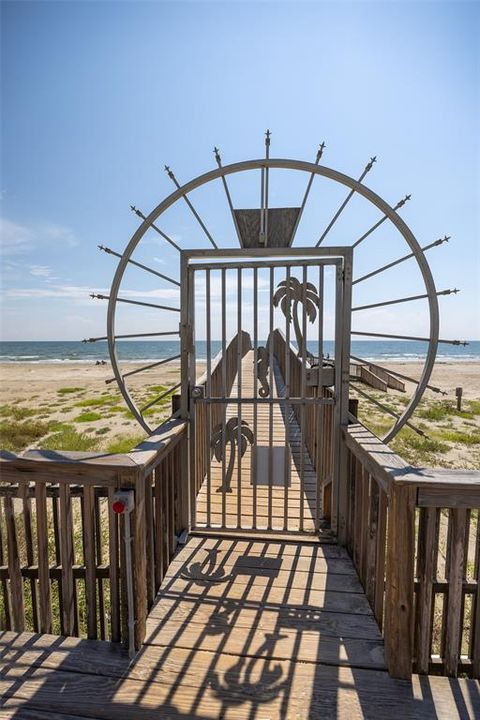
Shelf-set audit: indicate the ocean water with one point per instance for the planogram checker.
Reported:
(151, 350)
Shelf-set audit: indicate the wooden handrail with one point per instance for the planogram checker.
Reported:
(423, 508)
(72, 493)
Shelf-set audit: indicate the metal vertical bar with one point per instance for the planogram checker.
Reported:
(303, 394)
(267, 155)
(270, 407)
(208, 407)
(255, 393)
(344, 390)
(320, 408)
(239, 395)
(186, 470)
(224, 405)
(287, 468)
(191, 383)
(262, 208)
(338, 388)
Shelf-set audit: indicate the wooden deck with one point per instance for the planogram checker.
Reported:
(241, 628)
(293, 506)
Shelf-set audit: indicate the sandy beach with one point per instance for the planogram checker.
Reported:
(64, 404)
(20, 381)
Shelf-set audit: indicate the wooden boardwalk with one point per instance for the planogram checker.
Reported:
(241, 628)
(293, 503)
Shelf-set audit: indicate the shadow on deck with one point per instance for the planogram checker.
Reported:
(229, 618)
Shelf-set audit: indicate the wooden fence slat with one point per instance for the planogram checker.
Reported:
(149, 519)
(475, 641)
(99, 561)
(67, 560)
(400, 581)
(113, 553)
(371, 548)
(6, 620)
(453, 628)
(27, 524)
(140, 561)
(16, 580)
(45, 607)
(380, 558)
(426, 572)
(90, 560)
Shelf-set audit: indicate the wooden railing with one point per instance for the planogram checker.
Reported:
(414, 537)
(64, 564)
(316, 421)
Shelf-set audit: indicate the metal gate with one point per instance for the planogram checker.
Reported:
(264, 392)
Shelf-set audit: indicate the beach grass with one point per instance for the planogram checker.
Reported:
(69, 439)
(88, 417)
(16, 436)
(125, 443)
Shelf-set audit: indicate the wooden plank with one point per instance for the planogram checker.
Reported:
(465, 496)
(16, 581)
(67, 560)
(453, 627)
(399, 582)
(176, 613)
(297, 563)
(426, 570)
(90, 560)
(45, 608)
(375, 456)
(207, 686)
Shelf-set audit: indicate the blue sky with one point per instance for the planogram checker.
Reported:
(98, 96)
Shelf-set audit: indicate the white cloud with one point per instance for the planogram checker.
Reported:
(19, 239)
(80, 292)
(40, 271)
(15, 239)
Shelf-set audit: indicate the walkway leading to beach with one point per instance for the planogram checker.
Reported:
(240, 629)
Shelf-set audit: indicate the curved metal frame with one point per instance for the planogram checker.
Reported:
(303, 166)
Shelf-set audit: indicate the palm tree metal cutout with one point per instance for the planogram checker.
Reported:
(293, 292)
(235, 431)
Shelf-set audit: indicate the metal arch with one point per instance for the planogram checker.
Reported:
(303, 166)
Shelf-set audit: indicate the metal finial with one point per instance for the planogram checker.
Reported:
(402, 202)
(137, 212)
(267, 137)
(170, 173)
(320, 152)
(216, 152)
(369, 166)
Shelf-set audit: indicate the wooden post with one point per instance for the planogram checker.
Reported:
(458, 393)
(400, 581)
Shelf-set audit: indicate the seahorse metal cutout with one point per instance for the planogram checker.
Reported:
(262, 371)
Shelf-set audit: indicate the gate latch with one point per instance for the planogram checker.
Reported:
(197, 392)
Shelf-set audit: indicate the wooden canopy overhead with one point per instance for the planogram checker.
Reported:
(281, 226)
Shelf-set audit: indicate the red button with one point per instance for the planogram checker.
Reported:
(118, 507)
